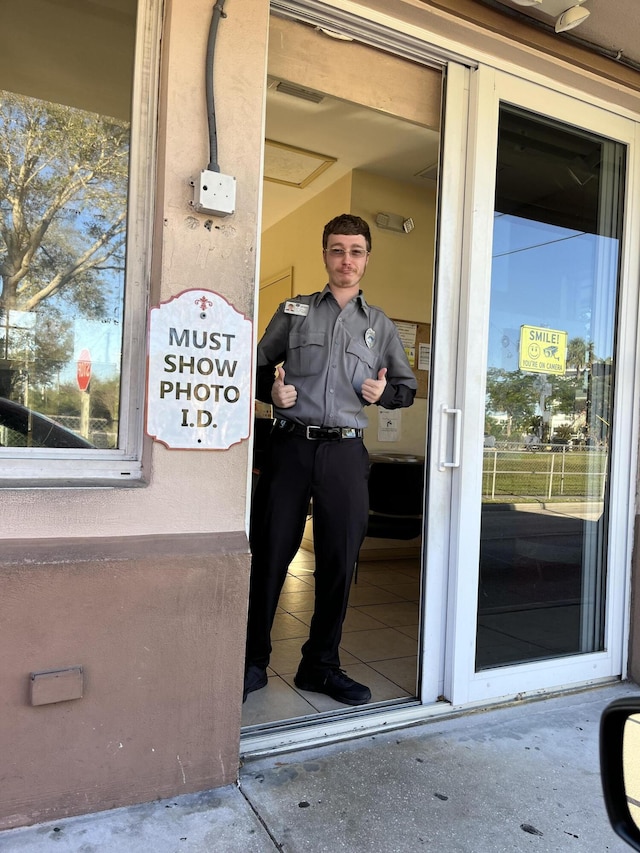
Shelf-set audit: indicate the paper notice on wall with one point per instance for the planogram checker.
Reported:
(408, 333)
(389, 424)
(424, 356)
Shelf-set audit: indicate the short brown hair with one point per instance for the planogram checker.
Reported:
(347, 224)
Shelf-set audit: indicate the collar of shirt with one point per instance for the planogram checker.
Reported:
(359, 299)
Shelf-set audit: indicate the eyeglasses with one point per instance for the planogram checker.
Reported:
(353, 253)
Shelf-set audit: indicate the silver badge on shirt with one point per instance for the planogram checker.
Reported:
(369, 337)
(298, 308)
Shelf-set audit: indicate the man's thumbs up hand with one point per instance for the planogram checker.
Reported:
(372, 388)
(283, 396)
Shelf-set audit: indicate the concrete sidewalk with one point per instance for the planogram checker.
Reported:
(520, 778)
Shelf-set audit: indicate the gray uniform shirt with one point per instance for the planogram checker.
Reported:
(327, 353)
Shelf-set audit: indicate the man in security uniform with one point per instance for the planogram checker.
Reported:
(335, 355)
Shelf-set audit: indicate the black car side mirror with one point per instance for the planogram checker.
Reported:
(620, 767)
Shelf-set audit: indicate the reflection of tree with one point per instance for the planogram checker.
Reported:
(62, 184)
(567, 398)
(63, 181)
(599, 400)
(514, 393)
(577, 354)
(104, 400)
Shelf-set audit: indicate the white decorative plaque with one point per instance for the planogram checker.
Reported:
(199, 372)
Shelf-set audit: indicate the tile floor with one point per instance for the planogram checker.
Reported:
(379, 640)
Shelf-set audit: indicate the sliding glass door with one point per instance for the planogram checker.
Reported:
(557, 232)
(547, 428)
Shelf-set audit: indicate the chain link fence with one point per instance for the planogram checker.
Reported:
(544, 473)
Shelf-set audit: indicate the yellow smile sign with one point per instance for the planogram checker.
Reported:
(543, 350)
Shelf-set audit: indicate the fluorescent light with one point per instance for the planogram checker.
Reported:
(571, 18)
(527, 2)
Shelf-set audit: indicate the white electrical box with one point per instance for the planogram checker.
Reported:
(214, 193)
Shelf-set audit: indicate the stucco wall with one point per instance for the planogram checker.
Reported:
(634, 628)
(156, 633)
(146, 588)
(187, 491)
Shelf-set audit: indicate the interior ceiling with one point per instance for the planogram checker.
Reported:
(360, 138)
(357, 137)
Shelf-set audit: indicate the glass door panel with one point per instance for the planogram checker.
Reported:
(557, 229)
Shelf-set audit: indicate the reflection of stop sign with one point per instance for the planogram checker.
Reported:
(83, 373)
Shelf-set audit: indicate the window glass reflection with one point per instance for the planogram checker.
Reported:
(549, 394)
(64, 163)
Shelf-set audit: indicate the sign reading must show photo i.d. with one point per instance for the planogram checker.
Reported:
(198, 372)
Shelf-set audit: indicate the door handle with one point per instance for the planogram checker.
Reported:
(445, 412)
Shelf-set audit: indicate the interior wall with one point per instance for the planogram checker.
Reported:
(399, 277)
(296, 240)
(399, 280)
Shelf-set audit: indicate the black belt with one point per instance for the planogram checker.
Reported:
(317, 433)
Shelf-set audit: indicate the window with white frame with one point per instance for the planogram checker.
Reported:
(70, 140)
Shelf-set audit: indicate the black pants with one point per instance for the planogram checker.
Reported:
(334, 475)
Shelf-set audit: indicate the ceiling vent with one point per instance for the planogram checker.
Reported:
(298, 92)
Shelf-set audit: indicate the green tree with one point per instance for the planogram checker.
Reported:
(563, 432)
(105, 400)
(566, 397)
(577, 354)
(63, 181)
(63, 185)
(512, 392)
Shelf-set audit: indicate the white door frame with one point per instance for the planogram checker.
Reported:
(440, 552)
(463, 686)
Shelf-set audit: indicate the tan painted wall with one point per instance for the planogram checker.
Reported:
(188, 491)
(377, 80)
(399, 279)
(400, 274)
(296, 240)
(156, 632)
(91, 38)
(153, 605)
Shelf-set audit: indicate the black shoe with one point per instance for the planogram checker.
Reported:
(335, 683)
(255, 678)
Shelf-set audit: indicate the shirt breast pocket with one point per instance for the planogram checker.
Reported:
(363, 363)
(306, 353)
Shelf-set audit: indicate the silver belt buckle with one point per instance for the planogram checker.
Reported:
(309, 436)
(348, 432)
